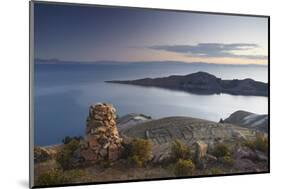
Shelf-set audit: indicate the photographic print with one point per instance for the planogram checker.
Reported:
(123, 94)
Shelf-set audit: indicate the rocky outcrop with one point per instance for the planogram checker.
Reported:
(189, 130)
(102, 140)
(249, 120)
(42, 154)
(203, 83)
(130, 120)
(205, 134)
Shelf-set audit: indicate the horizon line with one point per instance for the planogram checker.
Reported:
(56, 60)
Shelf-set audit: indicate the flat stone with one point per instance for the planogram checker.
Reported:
(94, 123)
(98, 117)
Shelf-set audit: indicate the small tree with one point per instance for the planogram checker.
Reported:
(184, 167)
(138, 151)
(221, 150)
(179, 150)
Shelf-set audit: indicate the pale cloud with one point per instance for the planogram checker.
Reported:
(218, 50)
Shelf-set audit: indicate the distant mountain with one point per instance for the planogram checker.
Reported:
(249, 120)
(139, 63)
(203, 83)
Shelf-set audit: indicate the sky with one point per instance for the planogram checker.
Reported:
(87, 33)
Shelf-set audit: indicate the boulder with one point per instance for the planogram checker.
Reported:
(261, 156)
(243, 152)
(244, 165)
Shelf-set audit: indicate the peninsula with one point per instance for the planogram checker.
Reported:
(202, 83)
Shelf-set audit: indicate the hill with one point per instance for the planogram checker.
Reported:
(249, 120)
(203, 83)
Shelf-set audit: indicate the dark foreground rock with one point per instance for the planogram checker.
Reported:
(203, 83)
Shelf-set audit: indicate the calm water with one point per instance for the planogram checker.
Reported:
(63, 94)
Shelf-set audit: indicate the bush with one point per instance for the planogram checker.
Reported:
(65, 155)
(221, 150)
(260, 143)
(249, 143)
(179, 150)
(51, 178)
(184, 167)
(135, 160)
(56, 177)
(227, 160)
(138, 152)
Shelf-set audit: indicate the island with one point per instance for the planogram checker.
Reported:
(202, 83)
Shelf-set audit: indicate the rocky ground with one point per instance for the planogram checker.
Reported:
(247, 149)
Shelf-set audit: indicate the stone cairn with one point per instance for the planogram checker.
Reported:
(102, 141)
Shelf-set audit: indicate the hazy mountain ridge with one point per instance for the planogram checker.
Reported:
(140, 63)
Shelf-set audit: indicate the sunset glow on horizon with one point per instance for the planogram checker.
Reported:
(81, 33)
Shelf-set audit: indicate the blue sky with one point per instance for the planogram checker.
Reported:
(87, 33)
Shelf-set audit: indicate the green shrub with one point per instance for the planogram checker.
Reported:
(184, 167)
(179, 150)
(56, 177)
(65, 155)
(138, 152)
(53, 177)
(249, 143)
(228, 160)
(135, 160)
(260, 143)
(221, 150)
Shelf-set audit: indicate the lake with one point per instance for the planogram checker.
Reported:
(63, 94)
